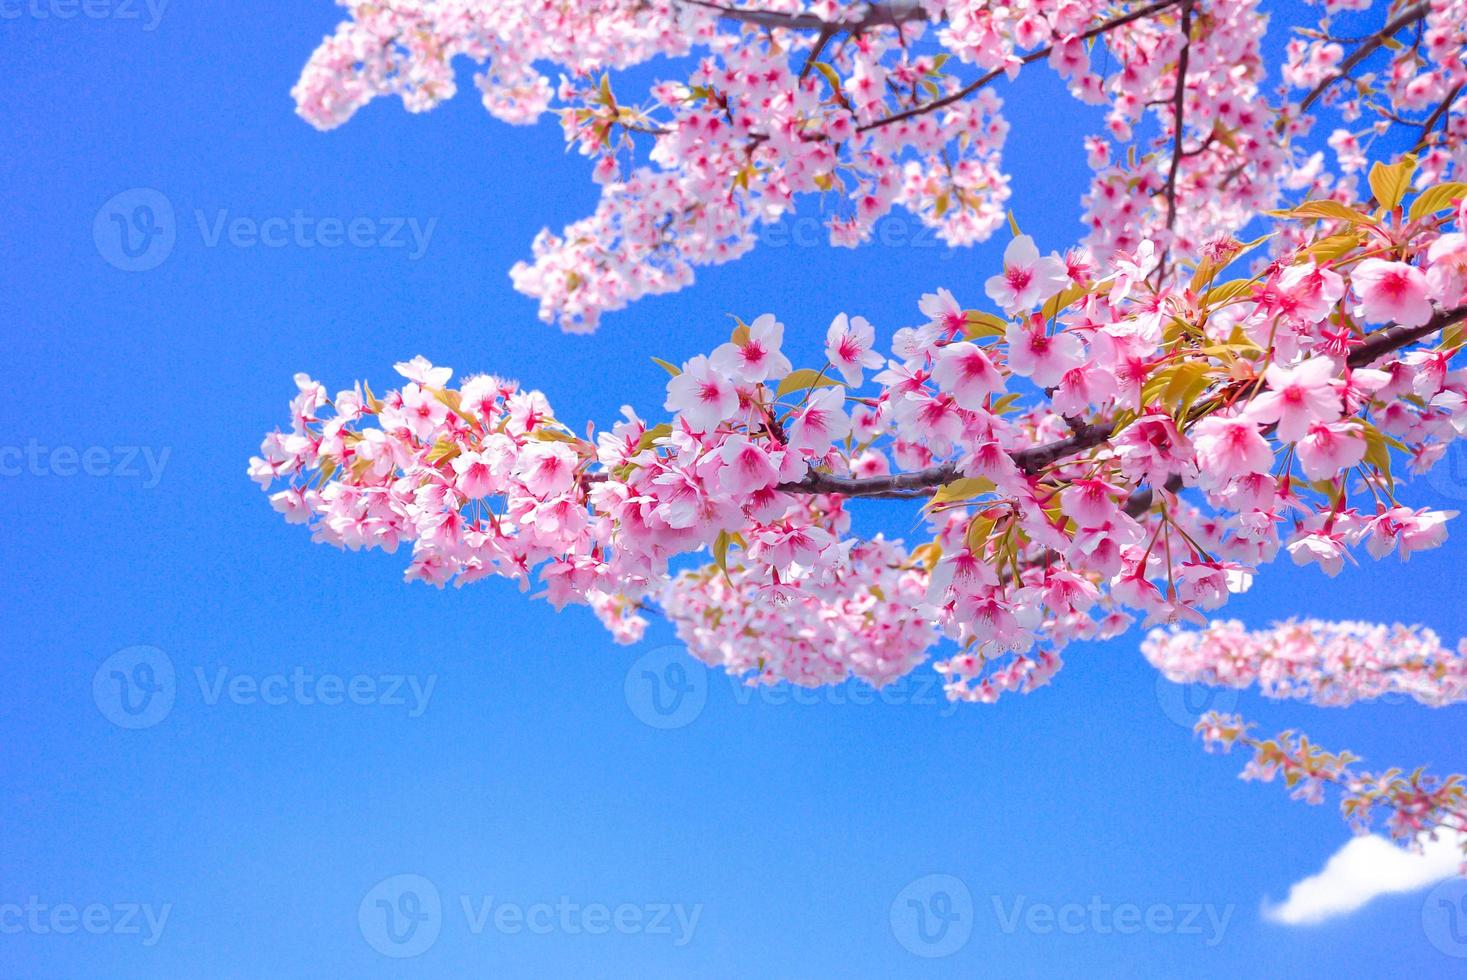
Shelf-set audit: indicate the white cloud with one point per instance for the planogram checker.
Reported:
(1363, 869)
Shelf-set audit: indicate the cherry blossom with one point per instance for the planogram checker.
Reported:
(1027, 279)
(1156, 457)
(741, 109)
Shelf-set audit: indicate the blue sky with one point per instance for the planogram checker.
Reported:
(495, 750)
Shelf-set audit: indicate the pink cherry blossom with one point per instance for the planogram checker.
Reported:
(1297, 397)
(702, 394)
(1027, 279)
(1229, 448)
(1391, 291)
(758, 358)
(964, 371)
(848, 347)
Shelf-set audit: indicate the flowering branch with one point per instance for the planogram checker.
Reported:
(693, 167)
(1418, 803)
(1205, 401)
(1085, 437)
(1149, 10)
(1404, 19)
(879, 14)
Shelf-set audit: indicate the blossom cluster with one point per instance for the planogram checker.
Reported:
(874, 106)
(1415, 803)
(1410, 83)
(1325, 663)
(1113, 445)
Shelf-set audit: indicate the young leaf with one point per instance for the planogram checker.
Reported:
(1437, 198)
(1390, 182)
(800, 380)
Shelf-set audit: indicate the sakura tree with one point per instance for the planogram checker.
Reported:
(1248, 351)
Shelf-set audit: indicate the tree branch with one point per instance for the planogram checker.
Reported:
(1028, 59)
(1406, 18)
(876, 15)
(1179, 99)
(922, 483)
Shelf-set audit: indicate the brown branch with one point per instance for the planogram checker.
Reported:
(1179, 99)
(1442, 109)
(1406, 18)
(877, 15)
(1028, 59)
(922, 483)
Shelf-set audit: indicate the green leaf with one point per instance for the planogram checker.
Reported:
(982, 324)
(720, 552)
(1004, 403)
(1391, 182)
(650, 437)
(962, 489)
(1327, 249)
(832, 78)
(1327, 210)
(443, 449)
(801, 379)
(1437, 198)
(1378, 454)
(671, 369)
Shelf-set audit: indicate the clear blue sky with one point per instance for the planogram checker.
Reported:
(529, 775)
